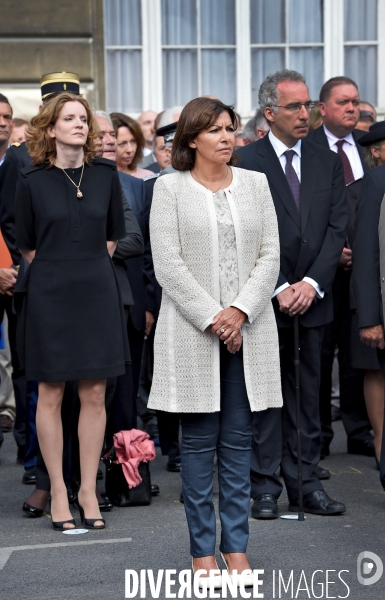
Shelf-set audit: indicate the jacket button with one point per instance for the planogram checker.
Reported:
(304, 240)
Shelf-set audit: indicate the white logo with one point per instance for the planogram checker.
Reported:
(366, 562)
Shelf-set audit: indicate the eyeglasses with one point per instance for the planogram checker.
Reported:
(295, 107)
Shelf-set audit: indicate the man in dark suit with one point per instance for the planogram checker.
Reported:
(139, 270)
(368, 276)
(308, 190)
(339, 106)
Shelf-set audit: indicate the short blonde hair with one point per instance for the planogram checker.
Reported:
(41, 147)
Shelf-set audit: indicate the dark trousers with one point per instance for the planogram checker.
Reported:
(228, 433)
(275, 430)
(136, 340)
(381, 360)
(352, 400)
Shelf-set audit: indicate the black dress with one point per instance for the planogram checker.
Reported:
(71, 321)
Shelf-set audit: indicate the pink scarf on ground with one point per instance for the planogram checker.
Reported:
(133, 447)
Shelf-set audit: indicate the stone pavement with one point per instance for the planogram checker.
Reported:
(37, 563)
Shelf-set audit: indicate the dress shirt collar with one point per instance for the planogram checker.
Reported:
(332, 139)
(3, 159)
(280, 147)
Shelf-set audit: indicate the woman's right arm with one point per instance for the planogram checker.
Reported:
(25, 220)
(171, 271)
(28, 255)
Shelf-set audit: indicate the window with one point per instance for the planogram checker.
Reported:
(123, 44)
(198, 50)
(360, 42)
(286, 33)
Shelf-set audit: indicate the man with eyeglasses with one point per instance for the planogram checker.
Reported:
(308, 190)
(340, 110)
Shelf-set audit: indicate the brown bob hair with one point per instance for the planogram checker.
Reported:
(198, 114)
(120, 120)
(41, 147)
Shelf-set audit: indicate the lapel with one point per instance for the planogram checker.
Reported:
(319, 137)
(309, 177)
(356, 136)
(272, 168)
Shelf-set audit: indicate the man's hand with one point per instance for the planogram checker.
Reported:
(8, 279)
(346, 259)
(150, 320)
(227, 326)
(373, 336)
(296, 299)
(284, 299)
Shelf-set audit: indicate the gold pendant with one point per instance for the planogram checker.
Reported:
(79, 194)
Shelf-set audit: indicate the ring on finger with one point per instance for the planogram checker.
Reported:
(222, 330)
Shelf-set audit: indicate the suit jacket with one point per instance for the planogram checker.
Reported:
(366, 250)
(130, 246)
(140, 270)
(16, 158)
(154, 167)
(318, 136)
(312, 240)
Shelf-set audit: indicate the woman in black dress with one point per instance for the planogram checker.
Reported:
(69, 217)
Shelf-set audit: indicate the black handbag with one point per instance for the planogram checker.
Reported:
(117, 487)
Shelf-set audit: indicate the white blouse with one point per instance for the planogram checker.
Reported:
(228, 263)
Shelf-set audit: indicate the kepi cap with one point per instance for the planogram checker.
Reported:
(168, 132)
(54, 83)
(375, 134)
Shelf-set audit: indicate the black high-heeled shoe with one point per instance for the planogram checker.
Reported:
(59, 525)
(90, 523)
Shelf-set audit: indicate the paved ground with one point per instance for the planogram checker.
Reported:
(48, 565)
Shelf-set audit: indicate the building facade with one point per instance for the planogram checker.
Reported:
(134, 55)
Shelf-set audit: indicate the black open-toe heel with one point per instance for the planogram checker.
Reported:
(59, 525)
(90, 523)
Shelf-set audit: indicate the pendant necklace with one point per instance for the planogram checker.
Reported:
(222, 182)
(78, 192)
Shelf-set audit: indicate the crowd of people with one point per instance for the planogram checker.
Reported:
(155, 274)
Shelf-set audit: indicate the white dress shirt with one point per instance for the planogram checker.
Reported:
(350, 150)
(280, 148)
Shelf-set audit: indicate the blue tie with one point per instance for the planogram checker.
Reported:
(292, 177)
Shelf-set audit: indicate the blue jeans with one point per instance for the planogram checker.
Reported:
(228, 432)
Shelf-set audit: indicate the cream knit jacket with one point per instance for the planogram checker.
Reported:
(184, 240)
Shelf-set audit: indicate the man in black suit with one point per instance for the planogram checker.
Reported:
(369, 270)
(339, 106)
(308, 190)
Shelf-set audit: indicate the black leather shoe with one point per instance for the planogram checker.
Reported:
(99, 475)
(29, 477)
(70, 493)
(174, 464)
(181, 499)
(31, 511)
(321, 473)
(319, 503)
(106, 505)
(155, 491)
(364, 447)
(265, 507)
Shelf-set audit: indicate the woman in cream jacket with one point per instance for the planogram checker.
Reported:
(215, 248)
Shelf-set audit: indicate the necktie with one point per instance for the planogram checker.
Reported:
(292, 177)
(348, 172)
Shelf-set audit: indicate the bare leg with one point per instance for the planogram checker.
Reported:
(92, 425)
(50, 433)
(374, 398)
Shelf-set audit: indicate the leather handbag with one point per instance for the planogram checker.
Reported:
(117, 487)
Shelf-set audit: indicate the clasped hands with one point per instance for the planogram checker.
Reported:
(227, 326)
(296, 299)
